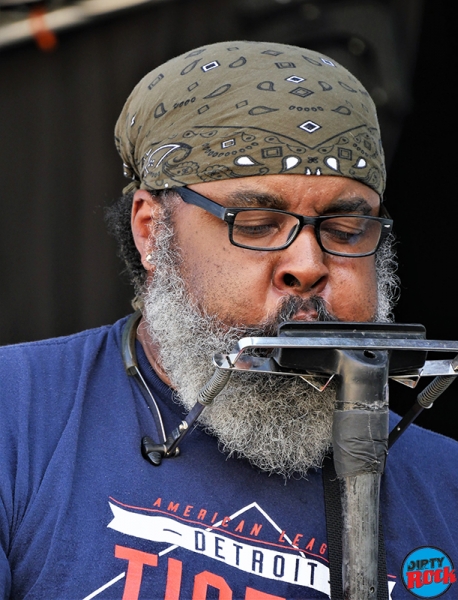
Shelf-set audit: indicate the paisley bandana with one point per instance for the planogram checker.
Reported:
(238, 109)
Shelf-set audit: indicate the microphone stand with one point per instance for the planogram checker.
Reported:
(360, 442)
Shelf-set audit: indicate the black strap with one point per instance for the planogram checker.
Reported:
(129, 357)
(333, 509)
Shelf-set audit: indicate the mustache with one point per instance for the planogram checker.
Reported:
(289, 306)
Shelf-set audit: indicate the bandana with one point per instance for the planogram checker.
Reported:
(238, 109)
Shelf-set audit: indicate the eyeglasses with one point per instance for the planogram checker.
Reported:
(271, 229)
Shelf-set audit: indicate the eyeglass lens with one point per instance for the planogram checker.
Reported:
(344, 235)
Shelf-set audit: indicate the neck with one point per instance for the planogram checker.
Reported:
(151, 349)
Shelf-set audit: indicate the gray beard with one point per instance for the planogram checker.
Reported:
(279, 423)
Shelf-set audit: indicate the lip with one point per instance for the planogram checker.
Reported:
(301, 315)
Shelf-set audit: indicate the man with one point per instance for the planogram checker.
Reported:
(257, 180)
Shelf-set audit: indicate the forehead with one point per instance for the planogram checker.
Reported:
(303, 194)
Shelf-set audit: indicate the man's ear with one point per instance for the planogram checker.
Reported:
(145, 212)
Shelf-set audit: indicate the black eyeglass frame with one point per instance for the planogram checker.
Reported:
(229, 215)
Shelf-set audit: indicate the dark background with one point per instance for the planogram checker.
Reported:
(59, 168)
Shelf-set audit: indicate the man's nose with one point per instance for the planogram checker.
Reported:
(300, 268)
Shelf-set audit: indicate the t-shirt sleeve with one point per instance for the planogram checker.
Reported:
(5, 571)
(10, 402)
(5, 493)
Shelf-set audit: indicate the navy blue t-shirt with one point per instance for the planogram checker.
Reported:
(83, 515)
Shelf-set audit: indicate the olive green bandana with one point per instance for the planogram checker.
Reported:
(238, 109)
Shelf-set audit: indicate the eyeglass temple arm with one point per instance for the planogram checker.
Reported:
(384, 214)
(196, 199)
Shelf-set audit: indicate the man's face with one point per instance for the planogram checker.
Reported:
(204, 294)
(244, 287)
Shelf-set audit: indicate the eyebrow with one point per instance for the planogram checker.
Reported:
(351, 205)
(253, 198)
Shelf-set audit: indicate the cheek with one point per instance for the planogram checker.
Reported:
(228, 283)
(355, 290)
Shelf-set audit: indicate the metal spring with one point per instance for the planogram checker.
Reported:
(213, 387)
(434, 390)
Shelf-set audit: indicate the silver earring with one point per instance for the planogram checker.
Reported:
(149, 258)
